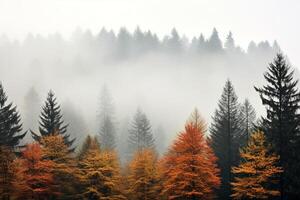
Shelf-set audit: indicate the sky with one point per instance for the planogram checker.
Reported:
(248, 20)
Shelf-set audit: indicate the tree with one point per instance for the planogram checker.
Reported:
(257, 170)
(143, 176)
(281, 124)
(248, 117)
(10, 123)
(229, 44)
(107, 130)
(225, 133)
(51, 122)
(64, 166)
(140, 134)
(196, 120)
(6, 172)
(214, 43)
(33, 176)
(99, 172)
(190, 168)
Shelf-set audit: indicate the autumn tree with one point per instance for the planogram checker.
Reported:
(140, 134)
(64, 166)
(257, 171)
(281, 125)
(225, 135)
(143, 177)
(10, 122)
(6, 172)
(51, 122)
(33, 174)
(190, 168)
(99, 172)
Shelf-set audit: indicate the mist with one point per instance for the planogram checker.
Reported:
(165, 77)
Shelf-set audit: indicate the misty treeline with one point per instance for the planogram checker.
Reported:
(238, 156)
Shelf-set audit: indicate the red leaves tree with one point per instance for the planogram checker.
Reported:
(33, 174)
(190, 170)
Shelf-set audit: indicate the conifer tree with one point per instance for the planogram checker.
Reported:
(51, 122)
(10, 125)
(257, 170)
(143, 178)
(190, 168)
(33, 176)
(140, 134)
(107, 130)
(229, 44)
(214, 43)
(225, 136)
(248, 117)
(282, 123)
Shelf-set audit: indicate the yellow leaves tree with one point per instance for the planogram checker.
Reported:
(144, 178)
(99, 172)
(64, 165)
(257, 170)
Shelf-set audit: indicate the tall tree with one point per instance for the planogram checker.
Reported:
(225, 134)
(190, 168)
(6, 172)
(51, 122)
(257, 171)
(10, 122)
(281, 124)
(33, 176)
(214, 43)
(143, 178)
(140, 134)
(248, 117)
(106, 119)
(229, 44)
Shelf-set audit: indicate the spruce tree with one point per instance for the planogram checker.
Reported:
(10, 122)
(248, 117)
(225, 135)
(140, 134)
(51, 122)
(107, 130)
(281, 98)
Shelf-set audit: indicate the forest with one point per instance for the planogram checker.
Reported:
(223, 149)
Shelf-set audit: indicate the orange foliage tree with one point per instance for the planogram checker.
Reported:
(6, 172)
(257, 171)
(33, 176)
(190, 169)
(143, 177)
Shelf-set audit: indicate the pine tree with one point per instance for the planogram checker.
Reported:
(10, 126)
(257, 170)
(248, 117)
(107, 130)
(281, 124)
(140, 134)
(196, 120)
(99, 173)
(229, 44)
(214, 43)
(225, 136)
(64, 165)
(190, 168)
(33, 176)
(51, 122)
(143, 178)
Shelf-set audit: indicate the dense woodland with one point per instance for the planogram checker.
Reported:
(238, 156)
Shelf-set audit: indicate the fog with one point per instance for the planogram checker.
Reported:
(166, 77)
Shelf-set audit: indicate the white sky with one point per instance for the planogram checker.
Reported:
(248, 20)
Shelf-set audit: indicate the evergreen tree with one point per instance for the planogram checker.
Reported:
(281, 124)
(51, 122)
(248, 117)
(190, 168)
(107, 130)
(10, 125)
(214, 43)
(225, 136)
(257, 171)
(229, 44)
(140, 134)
